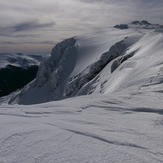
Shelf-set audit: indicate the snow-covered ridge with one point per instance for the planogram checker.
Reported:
(100, 62)
(77, 82)
(140, 25)
(19, 60)
(138, 71)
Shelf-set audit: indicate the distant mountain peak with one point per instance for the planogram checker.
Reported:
(19, 60)
(143, 22)
(139, 24)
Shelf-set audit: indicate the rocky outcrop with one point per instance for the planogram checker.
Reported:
(121, 26)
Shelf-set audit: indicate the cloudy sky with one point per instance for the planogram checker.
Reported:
(37, 25)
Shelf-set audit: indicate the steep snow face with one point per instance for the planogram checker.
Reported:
(58, 65)
(137, 71)
(19, 60)
(76, 84)
(74, 62)
(143, 71)
(52, 74)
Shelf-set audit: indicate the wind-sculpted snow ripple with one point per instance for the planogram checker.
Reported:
(90, 135)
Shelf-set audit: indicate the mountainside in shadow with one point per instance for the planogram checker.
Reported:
(17, 70)
(13, 78)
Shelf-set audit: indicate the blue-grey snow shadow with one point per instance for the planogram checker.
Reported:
(96, 137)
(148, 110)
(126, 110)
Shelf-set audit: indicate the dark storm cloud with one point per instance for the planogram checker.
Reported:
(27, 26)
(6, 33)
(26, 36)
(24, 29)
(26, 42)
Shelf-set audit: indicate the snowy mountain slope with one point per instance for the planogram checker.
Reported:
(121, 120)
(138, 70)
(105, 128)
(19, 60)
(76, 61)
(143, 71)
(102, 62)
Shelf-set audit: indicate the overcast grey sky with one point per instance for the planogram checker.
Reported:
(37, 25)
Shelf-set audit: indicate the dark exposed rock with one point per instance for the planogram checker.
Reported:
(13, 78)
(119, 61)
(136, 22)
(145, 22)
(121, 26)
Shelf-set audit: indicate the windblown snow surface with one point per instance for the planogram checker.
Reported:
(118, 117)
